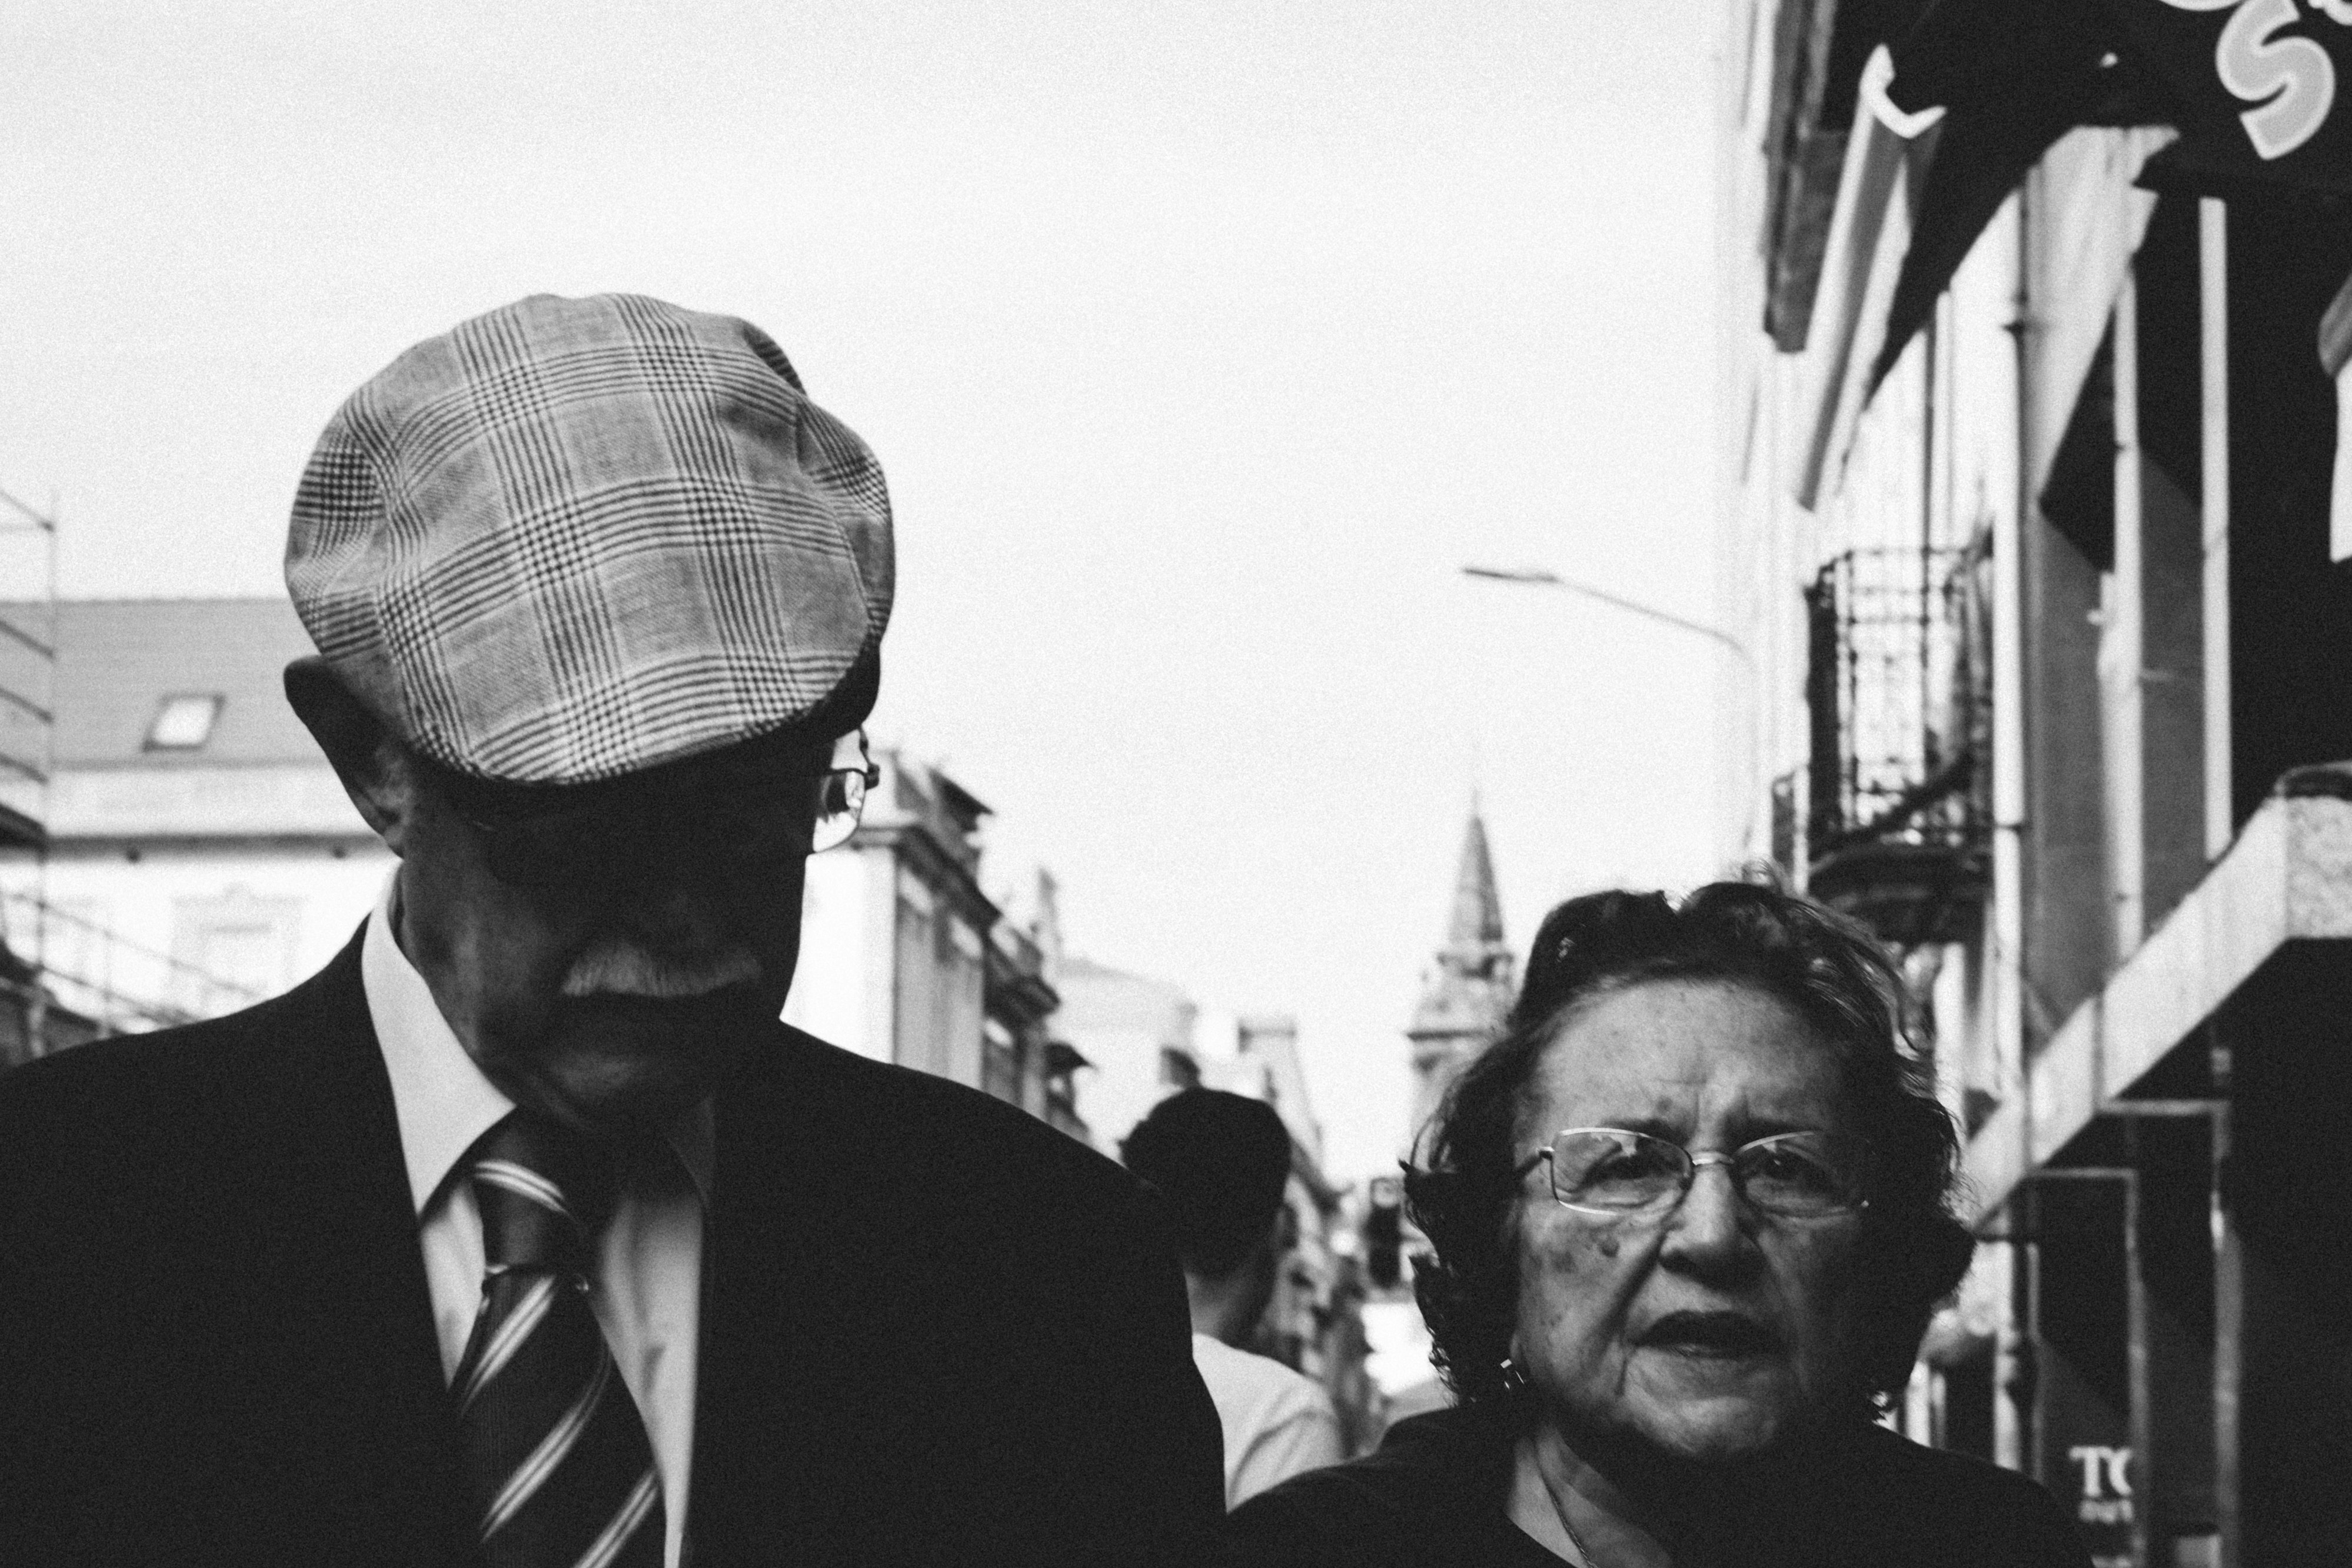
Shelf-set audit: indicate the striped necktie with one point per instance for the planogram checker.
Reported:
(555, 1453)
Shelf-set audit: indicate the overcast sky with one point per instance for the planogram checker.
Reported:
(1201, 345)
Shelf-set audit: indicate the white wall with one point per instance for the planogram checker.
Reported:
(1122, 1023)
(310, 900)
(836, 994)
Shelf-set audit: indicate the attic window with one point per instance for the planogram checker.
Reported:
(183, 723)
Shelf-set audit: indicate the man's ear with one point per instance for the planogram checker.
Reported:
(374, 766)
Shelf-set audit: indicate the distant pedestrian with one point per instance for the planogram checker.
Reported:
(525, 1234)
(1220, 1164)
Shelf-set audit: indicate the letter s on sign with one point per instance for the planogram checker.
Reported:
(2295, 74)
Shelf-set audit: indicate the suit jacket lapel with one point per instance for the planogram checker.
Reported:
(793, 1381)
(340, 1269)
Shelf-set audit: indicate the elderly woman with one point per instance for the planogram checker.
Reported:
(1691, 1213)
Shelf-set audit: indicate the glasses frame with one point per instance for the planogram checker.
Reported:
(1692, 1165)
(856, 784)
(502, 854)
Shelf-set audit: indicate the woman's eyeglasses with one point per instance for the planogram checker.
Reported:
(1792, 1175)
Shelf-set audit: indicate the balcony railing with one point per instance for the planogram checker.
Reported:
(120, 985)
(1897, 818)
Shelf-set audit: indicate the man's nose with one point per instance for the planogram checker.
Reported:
(677, 909)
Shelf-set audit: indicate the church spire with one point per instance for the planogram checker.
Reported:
(1468, 990)
(1478, 922)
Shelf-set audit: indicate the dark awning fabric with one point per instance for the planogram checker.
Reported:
(2264, 86)
(2013, 75)
(2261, 90)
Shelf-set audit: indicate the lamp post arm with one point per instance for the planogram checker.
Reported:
(1539, 578)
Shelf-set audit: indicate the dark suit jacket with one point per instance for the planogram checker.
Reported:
(933, 1329)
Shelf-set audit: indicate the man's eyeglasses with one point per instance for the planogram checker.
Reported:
(841, 802)
(762, 821)
(1791, 1175)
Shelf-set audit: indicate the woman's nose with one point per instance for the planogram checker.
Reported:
(1705, 1228)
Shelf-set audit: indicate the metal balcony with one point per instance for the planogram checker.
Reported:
(1897, 813)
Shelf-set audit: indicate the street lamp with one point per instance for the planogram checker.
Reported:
(1536, 577)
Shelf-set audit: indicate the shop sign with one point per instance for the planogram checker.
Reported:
(2085, 1390)
(2094, 1481)
(2264, 83)
(2106, 1494)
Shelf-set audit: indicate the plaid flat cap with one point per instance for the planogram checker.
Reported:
(573, 539)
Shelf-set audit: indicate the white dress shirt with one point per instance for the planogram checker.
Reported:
(647, 1292)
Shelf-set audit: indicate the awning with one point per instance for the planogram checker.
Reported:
(2261, 87)
(2287, 880)
(2258, 90)
(2014, 76)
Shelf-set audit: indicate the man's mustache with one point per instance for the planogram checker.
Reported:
(615, 966)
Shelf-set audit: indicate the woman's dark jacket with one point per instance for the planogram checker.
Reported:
(1435, 1494)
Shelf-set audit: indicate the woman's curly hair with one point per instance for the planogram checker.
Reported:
(1463, 1191)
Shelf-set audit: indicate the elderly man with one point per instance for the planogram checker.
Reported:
(524, 1233)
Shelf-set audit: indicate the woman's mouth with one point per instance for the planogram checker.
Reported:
(1727, 1335)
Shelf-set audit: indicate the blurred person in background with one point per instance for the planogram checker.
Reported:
(1219, 1165)
(525, 1234)
(1690, 1214)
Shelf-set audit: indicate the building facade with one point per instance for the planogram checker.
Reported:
(199, 852)
(905, 960)
(2030, 323)
(1135, 1035)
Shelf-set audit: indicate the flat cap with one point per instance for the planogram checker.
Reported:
(574, 538)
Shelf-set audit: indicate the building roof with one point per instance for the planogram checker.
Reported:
(120, 659)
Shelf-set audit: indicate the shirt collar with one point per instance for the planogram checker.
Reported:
(441, 1098)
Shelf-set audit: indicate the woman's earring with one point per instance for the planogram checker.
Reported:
(1514, 1377)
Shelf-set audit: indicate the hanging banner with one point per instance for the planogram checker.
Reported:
(2265, 85)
